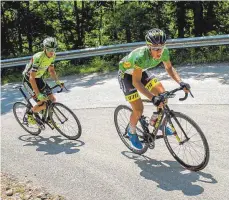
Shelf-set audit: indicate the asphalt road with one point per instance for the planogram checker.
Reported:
(98, 165)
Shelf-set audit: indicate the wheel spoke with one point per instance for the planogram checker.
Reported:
(66, 121)
(193, 151)
(19, 110)
(122, 119)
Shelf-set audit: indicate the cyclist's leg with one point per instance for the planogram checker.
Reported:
(132, 96)
(152, 83)
(41, 105)
(43, 86)
(52, 97)
(158, 89)
(154, 86)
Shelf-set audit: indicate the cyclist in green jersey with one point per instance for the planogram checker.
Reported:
(33, 76)
(133, 77)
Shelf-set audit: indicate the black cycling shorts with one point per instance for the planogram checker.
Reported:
(130, 92)
(43, 87)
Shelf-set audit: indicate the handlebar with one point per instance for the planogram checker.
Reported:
(170, 93)
(61, 88)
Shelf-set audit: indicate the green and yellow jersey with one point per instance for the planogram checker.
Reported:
(141, 58)
(39, 64)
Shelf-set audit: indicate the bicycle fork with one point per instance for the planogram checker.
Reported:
(174, 130)
(169, 115)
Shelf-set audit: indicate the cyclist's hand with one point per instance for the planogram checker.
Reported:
(41, 97)
(185, 86)
(157, 100)
(61, 83)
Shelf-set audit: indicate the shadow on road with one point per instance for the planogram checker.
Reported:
(220, 71)
(52, 145)
(170, 176)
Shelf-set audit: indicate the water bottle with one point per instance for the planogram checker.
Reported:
(153, 119)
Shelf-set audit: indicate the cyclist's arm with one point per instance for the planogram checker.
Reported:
(52, 73)
(32, 80)
(136, 81)
(172, 72)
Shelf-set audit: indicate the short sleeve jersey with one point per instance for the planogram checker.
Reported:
(141, 58)
(39, 63)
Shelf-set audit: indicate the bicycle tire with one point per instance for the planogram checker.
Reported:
(205, 161)
(51, 111)
(121, 134)
(21, 124)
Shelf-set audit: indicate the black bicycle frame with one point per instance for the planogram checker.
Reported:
(168, 114)
(157, 125)
(26, 98)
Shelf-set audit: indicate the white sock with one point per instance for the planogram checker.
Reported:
(132, 129)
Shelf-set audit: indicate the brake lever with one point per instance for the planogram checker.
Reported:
(66, 88)
(191, 94)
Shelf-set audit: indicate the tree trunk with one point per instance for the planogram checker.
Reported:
(158, 13)
(100, 25)
(115, 33)
(128, 34)
(7, 47)
(29, 28)
(82, 24)
(211, 17)
(198, 18)
(180, 13)
(20, 42)
(62, 24)
(77, 44)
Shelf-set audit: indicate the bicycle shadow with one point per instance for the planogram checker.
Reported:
(52, 145)
(170, 175)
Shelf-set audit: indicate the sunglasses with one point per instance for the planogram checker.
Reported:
(51, 49)
(156, 48)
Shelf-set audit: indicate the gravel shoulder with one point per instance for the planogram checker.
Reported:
(13, 189)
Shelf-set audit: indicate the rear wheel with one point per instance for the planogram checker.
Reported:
(193, 153)
(65, 121)
(20, 113)
(121, 118)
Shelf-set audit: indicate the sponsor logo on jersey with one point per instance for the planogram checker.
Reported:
(126, 65)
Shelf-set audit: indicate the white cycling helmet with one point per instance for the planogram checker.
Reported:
(50, 42)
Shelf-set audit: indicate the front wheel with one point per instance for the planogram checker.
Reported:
(121, 118)
(65, 121)
(20, 113)
(192, 152)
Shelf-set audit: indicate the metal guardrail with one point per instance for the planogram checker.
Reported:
(123, 48)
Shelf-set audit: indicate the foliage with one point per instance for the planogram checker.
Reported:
(82, 24)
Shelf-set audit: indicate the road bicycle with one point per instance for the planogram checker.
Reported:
(56, 116)
(183, 137)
